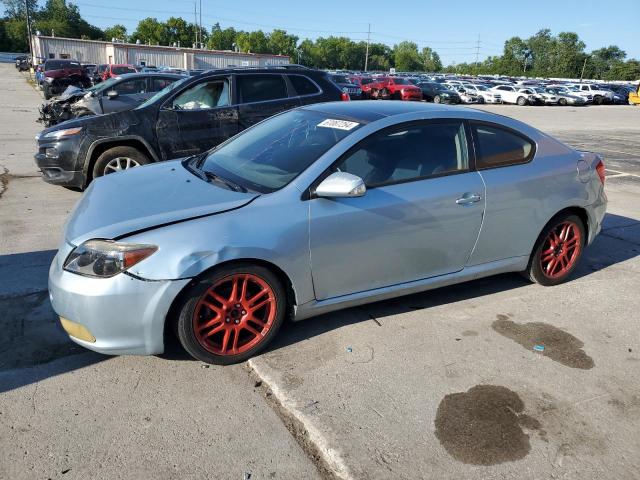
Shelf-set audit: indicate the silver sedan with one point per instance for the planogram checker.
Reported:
(313, 210)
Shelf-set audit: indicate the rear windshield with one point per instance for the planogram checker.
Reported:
(122, 70)
(268, 156)
(340, 79)
(400, 81)
(59, 65)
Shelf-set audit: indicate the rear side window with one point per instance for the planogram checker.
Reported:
(158, 84)
(261, 88)
(130, 87)
(302, 85)
(498, 147)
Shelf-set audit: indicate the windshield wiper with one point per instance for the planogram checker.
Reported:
(232, 185)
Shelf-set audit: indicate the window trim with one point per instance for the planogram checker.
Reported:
(310, 192)
(476, 146)
(290, 84)
(238, 76)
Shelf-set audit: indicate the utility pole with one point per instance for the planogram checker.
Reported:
(477, 52)
(195, 21)
(200, 28)
(583, 66)
(366, 56)
(26, 5)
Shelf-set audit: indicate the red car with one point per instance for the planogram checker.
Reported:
(116, 70)
(395, 88)
(365, 85)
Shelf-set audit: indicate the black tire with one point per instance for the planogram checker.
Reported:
(186, 316)
(437, 99)
(598, 100)
(563, 102)
(397, 96)
(535, 270)
(102, 165)
(383, 94)
(522, 101)
(481, 100)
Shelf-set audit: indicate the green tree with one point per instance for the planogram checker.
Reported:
(431, 60)
(407, 58)
(569, 55)
(149, 30)
(281, 43)
(220, 39)
(16, 8)
(253, 42)
(603, 60)
(117, 31)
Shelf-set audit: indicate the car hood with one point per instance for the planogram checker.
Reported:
(144, 198)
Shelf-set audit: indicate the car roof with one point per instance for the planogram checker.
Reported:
(151, 74)
(372, 110)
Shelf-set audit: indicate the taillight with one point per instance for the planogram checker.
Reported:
(345, 97)
(600, 168)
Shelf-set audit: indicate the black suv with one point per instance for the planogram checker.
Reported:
(188, 117)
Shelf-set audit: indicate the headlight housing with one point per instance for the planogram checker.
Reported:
(63, 133)
(106, 258)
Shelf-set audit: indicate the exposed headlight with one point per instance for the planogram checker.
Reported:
(106, 258)
(63, 133)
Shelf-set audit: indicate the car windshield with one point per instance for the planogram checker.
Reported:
(270, 155)
(122, 70)
(162, 92)
(481, 88)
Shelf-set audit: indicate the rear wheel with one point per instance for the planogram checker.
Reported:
(557, 250)
(563, 101)
(598, 100)
(117, 159)
(437, 99)
(231, 314)
(522, 101)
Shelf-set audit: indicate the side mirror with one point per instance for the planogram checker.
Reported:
(111, 94)
(341, 185)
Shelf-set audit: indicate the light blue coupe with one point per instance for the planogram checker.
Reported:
(316, 209)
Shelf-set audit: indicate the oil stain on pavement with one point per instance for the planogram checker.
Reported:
(558, 344)
(484, 426)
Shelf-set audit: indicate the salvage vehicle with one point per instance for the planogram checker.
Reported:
(113, 95)
(347, 86)
(511, 94)
(365, 85)
(599, 96)
(438, 93)
(57, 75)
(565, 96)
(394, 88)
(99, 73)
(485, 95)
(111, 71)
(187, 117)
(317, 209)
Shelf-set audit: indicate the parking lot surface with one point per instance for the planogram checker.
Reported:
(443, 384)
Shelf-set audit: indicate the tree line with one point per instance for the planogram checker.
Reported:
(542, 55)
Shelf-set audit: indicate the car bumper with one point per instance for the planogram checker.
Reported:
(414, 97)
(58, 162)
(119, 315)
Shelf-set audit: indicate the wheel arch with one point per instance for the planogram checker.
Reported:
(580, 212)
(98, 147)
(173, 312)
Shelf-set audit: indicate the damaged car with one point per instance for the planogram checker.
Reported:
(113, 95)
(188, 117)
(57, 75)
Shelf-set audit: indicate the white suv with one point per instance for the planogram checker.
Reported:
(510, 94)
(599, 96)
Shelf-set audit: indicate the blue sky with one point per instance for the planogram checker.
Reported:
(451, 28)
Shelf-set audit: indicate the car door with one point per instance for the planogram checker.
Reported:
(262, 95)
(419, 218)
(203, 114)
(130, 93)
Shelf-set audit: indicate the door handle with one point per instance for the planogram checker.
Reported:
(468, 199)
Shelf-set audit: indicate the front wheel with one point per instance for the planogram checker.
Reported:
(437, 99)
(557, 250)
(563, 102)
(598, 100)
(522, 101)
(232, 314)
(117, 159)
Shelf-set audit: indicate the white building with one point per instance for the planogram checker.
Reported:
(93, 51)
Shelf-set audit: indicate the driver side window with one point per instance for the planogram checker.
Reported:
(129, 87)
(409, 152)
(204, 96)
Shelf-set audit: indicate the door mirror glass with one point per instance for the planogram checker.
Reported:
(340, 185)
(111, 94)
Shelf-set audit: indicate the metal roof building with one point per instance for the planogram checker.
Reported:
(93, 51)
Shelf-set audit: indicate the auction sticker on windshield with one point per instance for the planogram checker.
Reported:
(339, 124)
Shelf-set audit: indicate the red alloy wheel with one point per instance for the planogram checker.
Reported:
(235, 314)
(561, 249)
